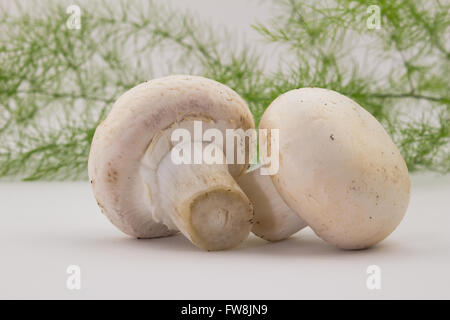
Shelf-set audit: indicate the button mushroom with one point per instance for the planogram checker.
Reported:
(139, 186)
(274, 220)
(338, 168)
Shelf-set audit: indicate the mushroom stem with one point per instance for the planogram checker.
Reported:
(205, 203)
(274, 219)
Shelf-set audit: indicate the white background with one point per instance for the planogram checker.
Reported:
(48, 226)
(45, 227)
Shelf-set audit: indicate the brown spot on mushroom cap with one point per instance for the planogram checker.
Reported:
(112, 175)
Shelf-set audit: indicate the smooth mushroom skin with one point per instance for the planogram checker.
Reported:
(274, 220)
(339, 169)
(132, 179)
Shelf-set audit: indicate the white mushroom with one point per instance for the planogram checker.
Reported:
(140, 188)
(338, 168)
(274, 220)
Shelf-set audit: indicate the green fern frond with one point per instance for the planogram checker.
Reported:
(57, 84)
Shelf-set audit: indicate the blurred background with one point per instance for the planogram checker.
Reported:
(64, 64)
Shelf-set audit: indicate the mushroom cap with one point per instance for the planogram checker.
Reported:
(123, 138)
(339, 169)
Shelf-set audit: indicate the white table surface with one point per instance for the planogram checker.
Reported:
(46, 227)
